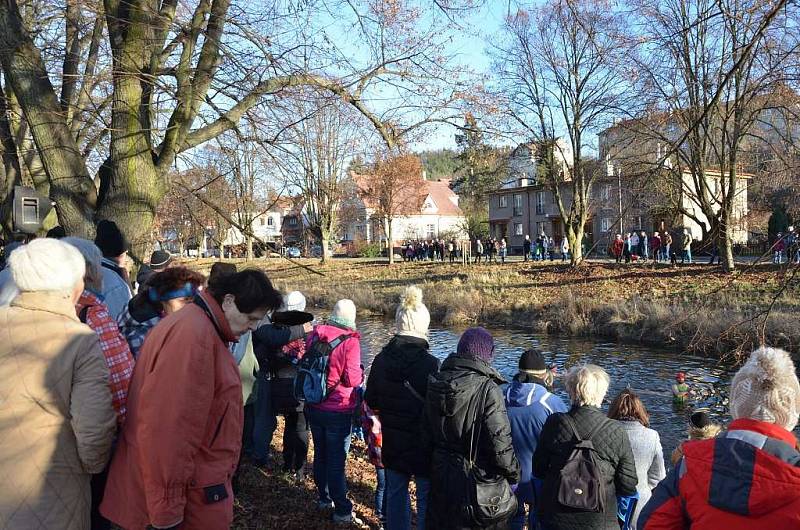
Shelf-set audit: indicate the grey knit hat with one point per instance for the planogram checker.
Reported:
(766, 389)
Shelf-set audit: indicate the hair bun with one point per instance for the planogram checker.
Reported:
(411, 297)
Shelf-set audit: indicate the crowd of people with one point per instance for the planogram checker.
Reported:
(139, 414)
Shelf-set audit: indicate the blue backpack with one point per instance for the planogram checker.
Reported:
(311, 381)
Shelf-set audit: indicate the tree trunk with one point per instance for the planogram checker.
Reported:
(136, 186)
(387, 228)
(575, 238)
(71, 187)
(249, 242)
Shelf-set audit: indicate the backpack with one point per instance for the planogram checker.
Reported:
(579, 484)
(311, 382)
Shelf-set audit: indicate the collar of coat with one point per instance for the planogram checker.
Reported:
(217, 316)
(474, 365)
(57, 302)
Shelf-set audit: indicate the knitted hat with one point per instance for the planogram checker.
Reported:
(766, 389)
(109, 239)
(476, 343)
(344, 314)
(159, 260)
(532, 362)
(295, 301)
(46, 265)
(412, 318)
(699, 419)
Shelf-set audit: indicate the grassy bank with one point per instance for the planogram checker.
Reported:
(695, 308)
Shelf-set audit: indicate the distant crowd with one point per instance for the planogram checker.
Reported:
(134, 404)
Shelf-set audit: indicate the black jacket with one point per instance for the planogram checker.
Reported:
(403, 360)
(452, 413)
(616, 463)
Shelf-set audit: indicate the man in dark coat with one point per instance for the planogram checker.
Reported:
(586, 386)
(454, 410)
(396, 389)
(526, 247)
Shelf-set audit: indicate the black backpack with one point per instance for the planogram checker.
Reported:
(311, 382)
(579, 484)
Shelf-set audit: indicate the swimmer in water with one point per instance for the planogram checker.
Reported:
(680, 390)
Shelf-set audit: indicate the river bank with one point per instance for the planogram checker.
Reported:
(697, 309)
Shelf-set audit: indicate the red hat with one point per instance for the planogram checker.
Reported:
(680, 375)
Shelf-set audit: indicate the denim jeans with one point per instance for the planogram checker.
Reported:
(264, 423)
(398, 503)
(687, 256)
(380, 494)
(331, 434)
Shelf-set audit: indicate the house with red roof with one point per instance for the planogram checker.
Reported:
(429, 211)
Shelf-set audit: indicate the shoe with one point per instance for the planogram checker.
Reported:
(350, 519)
(324, 506)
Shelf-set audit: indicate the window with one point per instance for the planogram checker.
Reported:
(540, 203)
(293, 221)
(270, 221)
(431, 231)
(517, 229)
(605, 224)
(517, 204)
(261, 221)
(503, 201)
(539, 228)
(553, 198)
(605, 192)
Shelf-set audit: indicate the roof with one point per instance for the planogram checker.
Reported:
(412, 199)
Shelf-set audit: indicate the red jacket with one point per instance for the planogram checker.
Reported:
(180, 443)
(748, 477)
(616, 247)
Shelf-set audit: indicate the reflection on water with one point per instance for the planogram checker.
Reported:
(648, 372)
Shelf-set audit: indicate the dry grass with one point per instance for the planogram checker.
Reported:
(696, 308)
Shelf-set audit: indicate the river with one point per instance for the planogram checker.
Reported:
(649, 372)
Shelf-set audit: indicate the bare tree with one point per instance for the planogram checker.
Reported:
(561, 71)
(182, 73)
(393, 189)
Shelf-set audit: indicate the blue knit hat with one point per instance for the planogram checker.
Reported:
(476, 343)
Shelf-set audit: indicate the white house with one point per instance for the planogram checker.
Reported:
(432, 214)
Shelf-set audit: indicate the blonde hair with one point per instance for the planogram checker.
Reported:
(587, 384)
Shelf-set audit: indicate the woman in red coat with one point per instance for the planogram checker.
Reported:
(183, 434)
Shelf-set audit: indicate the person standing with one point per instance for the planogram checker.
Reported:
(627, 249)
(778, 249)
(529, 404)
(159, 260)
(478, 249)
(666, 246)
(644, 246)
(116, 283)
(587, 386)
(631, 413)
(526, 248)
(635, 245)
(564, 249)
(57, 420)
(331, 420)
(183, 434)
(396, 390)
(655, 247)
(748, 476)
(686, 247)
(503, 250)
(462, 398)
(617, 248)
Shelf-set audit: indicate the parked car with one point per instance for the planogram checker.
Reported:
(293, 252)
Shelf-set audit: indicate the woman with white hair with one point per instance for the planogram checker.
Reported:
(57, 421)
(587, 386)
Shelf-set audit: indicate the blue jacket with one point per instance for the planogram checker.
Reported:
(528, 404)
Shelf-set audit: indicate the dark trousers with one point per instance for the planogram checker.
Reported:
(295, 440)
(98, 487)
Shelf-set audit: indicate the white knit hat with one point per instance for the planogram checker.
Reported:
(46, 265)
(766, 389)
(344, 314)
(294, 301)
(412, 317)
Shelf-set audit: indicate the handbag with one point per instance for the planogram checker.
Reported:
(490, 498)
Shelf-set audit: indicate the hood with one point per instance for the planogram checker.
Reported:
(328, 332)
(401, 354)
(766, 479)
(524, 394)
(451, 390)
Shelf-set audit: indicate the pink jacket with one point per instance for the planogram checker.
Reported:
(345, 371)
